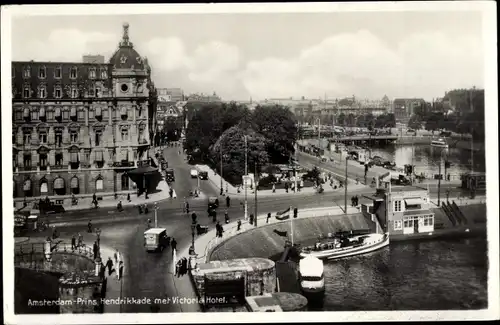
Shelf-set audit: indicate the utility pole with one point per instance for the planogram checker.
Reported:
(412, 155)
(345, 193)
(294, 167)
(246, 178)
(439, 181)
(221, 185)
(156, 215)
(472, 150)
(255, 189)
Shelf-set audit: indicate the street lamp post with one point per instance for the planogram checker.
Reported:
(98, 233)
(439, 178)
(156, 215)
(246, 178)
(191, 249)
(345, 193)
(221, 185)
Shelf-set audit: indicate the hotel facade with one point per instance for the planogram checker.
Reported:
(79, 127)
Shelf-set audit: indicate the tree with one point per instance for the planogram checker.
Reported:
(341, 119)
(233, 153)
(434, 121)
(360, 121)
(387, 120)
(370, 121)
(415, 122)
(172, 129)
(279, 127)
(351, 119)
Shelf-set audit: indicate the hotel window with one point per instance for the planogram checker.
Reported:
(92, 73)
(98, 136)
(19, 115)
(73, 135)
(99, 184)
(97, 91)
(58, 137)
(73, 73)
(42, 73)
(74, 93)
(50, 115)
(27, 72)
(34, 115)
(27, 160)
(398, 225)
(26, 92)
(43, 186)
(124, 134)
(59, 159)
(58, 92)
(42, 113)
(65, 115)
(43, 137)
(397, 206)
(43, 161)
(42, 92)
(58, 73)
(104, 74)
(91, 92)
(81, 115)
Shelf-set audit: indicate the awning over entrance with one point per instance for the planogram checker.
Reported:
(415, 201)
(59, 183)
(418, 212)
(145, 177)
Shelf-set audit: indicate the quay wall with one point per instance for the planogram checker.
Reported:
(264, 242)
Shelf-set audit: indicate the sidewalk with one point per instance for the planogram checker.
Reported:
(233, 191)
(204, 243)
(162, 193)
(114, 286)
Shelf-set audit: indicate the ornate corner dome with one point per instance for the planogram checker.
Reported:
(126, 57)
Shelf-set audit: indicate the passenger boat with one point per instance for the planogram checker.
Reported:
(440, 143)
(344, 246)
(311, 278)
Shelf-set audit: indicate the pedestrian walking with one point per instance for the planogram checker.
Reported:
(228, 201)
(221, 231)
(286, 187)
(109, 265)
(226, 217)
(184, 265)
(178, 268)
(217, 229)
(214, 216)
(173, 244)
(95, 249)
(268, 217)
(274, 188)
(73, 242)
(80, 240)
(128, 197)
(251, 219)
(239, 225)
(89, 226)
(115, 255)
(171, 192)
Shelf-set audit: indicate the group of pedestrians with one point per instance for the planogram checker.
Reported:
(74, 244)
(354, 201)
(110, 266)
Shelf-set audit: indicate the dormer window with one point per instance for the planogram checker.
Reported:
(58, 73)
(92, 73)
(104, 74)
(73, 73)
(42, 73)
(26, 92)
(42, 92)
(27, 72)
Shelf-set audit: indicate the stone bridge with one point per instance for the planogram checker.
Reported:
(75, 268)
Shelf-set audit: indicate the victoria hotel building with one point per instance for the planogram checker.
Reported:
(78, 127)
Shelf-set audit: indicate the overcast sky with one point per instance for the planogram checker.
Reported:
(367, 54)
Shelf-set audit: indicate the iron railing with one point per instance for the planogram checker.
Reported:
(36, 248)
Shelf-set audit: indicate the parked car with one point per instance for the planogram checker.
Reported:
(194, 173)
(203, 175)
(169, 175)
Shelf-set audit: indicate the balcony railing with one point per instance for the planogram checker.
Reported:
(122, 164)
(58, 166)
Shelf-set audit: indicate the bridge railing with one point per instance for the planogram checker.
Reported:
(34, 248)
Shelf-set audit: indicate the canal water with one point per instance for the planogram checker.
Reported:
(427, 158)
(425, 275)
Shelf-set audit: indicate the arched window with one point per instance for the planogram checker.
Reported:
(75, 185)
(44, 188)
(99, 184)
(27, 187)
(59, 186)
(26, 112)
(125, 182)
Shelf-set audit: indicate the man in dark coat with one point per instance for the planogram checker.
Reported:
(268, 217)
(173, 244)
(214, 216)
(217, 229)
(73, 242)
(109, 265)
(120, 270)
(228, 201)
(184, 265)
(239, 225)
(89, 226)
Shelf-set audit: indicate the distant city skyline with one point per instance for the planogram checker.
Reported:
(278, 55)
